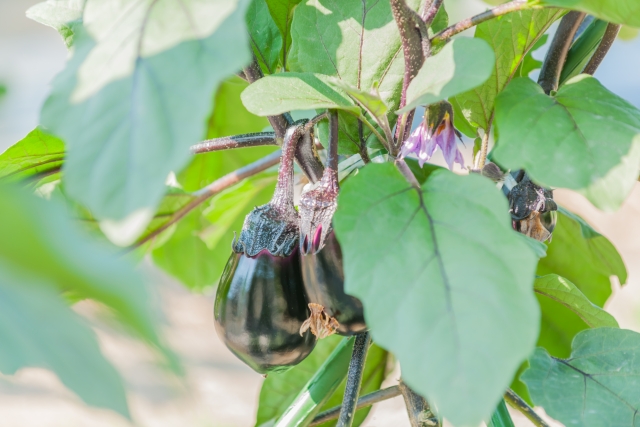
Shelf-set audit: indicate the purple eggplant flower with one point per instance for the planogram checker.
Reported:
(436, 130)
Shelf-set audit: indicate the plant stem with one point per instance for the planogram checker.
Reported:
(516, 402)
(319, 388)
(364, 154)
(363, 402)
(212, 189)
(503, 9)
(235, 141)
(403, 167)
(484, 146)
(557, 54)
(501, 417)
(607, 41)
(354, 379)
(420, 414)
(429, 13)
(332, 157)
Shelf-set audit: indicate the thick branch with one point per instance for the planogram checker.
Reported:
(557, 54)
(429, 13)
(363, 402)
(607, 41)
(354, 379)
(503, 9)
(235, 141)
(212, 189)
(516, 402)
(420, 414)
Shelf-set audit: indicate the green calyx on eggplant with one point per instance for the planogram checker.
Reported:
(332, 310)
(532, 208)
(261, 301)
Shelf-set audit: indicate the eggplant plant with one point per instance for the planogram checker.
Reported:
(308, 136)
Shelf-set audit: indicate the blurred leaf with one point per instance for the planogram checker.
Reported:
(282, 14)
(38, 330)
(62, 15)
(266, 40)
(38, 153)
(617, 11)
(565, 312)
(461, 65)
(584, 257)
(584, 137)
(597, 386)
(511, 36)
(40, 245)
(628, 33)
(529, 63)
(279, 390)
(359, 43)
(284, 92)
(131, 102)
(460, 274)
(582, 49)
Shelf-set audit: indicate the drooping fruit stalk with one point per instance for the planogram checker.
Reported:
(261, 302)
(331, 309)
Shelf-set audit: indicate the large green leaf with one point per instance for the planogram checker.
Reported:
(461, 65)
(284, 92)
(265, 36)
(584, 257)
(282, 14)
(597, 386)
(62, 15)
(130, 102)
(439, 271)
(511, 36)
(37, 153)
(625, 12)
(279, 390)
(565, 312)
(38, 330)
(357, 42)
(584, 137)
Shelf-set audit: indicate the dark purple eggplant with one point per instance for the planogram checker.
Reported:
(259, 308)
(261, 302)
(331, 309)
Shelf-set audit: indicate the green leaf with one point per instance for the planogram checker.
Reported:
(565, 312)
(461, 65)
(582, 50)
(284, 92)
(597, 386)
(511, 36)
(61, 15)
(357, 42)
(34, 229)
(38, 330)
(440, 268)
(266, 40)
(585, 138)
(38, 153)
(131, 102)
(625, 12)
(529, 63)
(279, 390)
(584, 257)
(282, 14)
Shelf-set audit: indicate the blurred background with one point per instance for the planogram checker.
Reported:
(220, 391)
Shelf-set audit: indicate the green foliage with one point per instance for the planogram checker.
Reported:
(282, 14)
(279, 390)
(444, 249)
(460, 66)
(582, 49)
(565, 312)
(597, 386)
(37, 154)
(584, 257)
(584, 138)
(41, 255)
(110, 102)
(265, 36)
(511, 36)
(625, 12)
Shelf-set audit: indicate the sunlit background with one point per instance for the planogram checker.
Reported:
(218, 390)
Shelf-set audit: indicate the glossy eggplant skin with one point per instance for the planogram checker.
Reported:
(323, 276)
(259, 308)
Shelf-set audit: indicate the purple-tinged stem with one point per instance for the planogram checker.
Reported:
(332, 156)
(283, 194)
(236, 141)
(429, 13)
